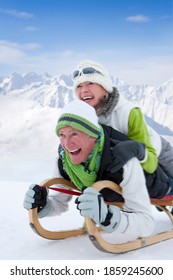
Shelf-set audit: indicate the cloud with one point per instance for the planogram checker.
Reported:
(9, 53)
(13, 53)
(152, 70)
(138, 18)
(23, 58)
(15, 13)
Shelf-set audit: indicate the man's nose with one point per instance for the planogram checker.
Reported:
(68, 143)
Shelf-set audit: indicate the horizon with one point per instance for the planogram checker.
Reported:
(68, 75)
(131, 38)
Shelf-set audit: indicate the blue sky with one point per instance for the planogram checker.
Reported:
(133, 39)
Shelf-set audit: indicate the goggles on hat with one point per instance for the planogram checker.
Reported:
(86, 70)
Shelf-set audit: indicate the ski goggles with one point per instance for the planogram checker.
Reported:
(85, 71)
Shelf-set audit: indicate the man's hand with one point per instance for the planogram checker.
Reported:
(91, 204)
(123, 151)
(35, 196)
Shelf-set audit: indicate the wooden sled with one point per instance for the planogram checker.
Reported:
(34, 220)
(93, 230)
(142, 242)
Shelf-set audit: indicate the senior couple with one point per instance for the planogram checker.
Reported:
(90, 151)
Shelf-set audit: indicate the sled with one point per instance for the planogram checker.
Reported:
(90, 227)
(34, 220)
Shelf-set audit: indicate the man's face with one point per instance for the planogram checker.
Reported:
(76, 143)
(90, 93)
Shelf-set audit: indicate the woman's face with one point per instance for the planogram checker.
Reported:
(90, 93)
(76, 143)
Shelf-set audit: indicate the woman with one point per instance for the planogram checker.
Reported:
(93, 85)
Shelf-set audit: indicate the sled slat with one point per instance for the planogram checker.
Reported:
(162, 202)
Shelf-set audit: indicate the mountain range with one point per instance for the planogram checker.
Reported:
(30, 104)
(55, 91)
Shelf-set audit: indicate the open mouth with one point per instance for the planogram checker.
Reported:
(74, 152)
(87, 98)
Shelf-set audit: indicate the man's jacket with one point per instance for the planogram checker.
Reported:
(157, 183)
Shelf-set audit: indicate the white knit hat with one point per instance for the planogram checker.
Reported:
(80, 116)
(100, 76)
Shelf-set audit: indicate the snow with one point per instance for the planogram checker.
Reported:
(19, 242)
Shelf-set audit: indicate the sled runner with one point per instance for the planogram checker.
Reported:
(91, 228)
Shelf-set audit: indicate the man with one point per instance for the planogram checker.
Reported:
(85, 156)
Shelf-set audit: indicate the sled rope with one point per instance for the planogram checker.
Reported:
(65, 191)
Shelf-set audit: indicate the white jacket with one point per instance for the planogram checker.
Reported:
(136, 216)
(119, 117)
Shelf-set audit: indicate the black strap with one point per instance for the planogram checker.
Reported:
(108, 219)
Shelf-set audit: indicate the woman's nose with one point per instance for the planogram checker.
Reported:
(84, 88)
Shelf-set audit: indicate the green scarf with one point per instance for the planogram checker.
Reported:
(84, 174)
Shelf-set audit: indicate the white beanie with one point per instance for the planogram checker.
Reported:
(102, 77)
(80, 116)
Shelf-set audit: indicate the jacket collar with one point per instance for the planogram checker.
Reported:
(106, 155)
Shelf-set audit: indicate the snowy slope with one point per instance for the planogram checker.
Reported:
(19, 242)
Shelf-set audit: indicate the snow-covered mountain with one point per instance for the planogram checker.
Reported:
(30, 105)
(55, 91)
(46, 90)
